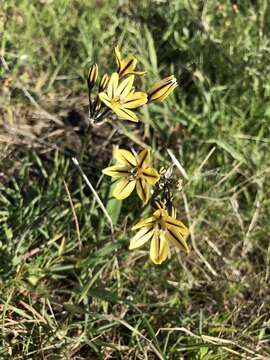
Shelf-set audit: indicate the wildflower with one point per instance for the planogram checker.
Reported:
(92, 75)
(126, 66)
(132, 171)
(162, 89)
(103, 83)
(120, 98)
(161, 229)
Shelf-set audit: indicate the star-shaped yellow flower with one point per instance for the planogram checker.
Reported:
(120, 98)
(162, 229)
(132, 171)
(162, 89)
(127, 65)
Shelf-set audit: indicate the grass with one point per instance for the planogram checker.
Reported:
(71, 290)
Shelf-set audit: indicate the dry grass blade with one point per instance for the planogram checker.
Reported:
(178, 165)
(76, 163)
(38, 249)
(191, 231)
(218, 341)
(74, 215)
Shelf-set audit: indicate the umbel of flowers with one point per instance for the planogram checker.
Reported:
(116, 94)
(117, 97)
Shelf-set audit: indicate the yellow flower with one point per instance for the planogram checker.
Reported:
(120, 98)
(92, 75)
(103, 83)
(126, 66)
(161, 229)
(132, 171)
(162, 89)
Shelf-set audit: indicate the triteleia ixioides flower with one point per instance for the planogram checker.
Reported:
(120, 97)
(161, 229)
(162, 89)
(132, 171)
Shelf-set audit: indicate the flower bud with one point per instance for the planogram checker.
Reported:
(97, 105)
(92, 75)
(162, 89)
(103, 83)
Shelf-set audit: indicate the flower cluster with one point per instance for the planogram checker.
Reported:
(117, 95)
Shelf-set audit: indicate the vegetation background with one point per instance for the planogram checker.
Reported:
(69, 290)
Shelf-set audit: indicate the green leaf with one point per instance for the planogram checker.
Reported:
(113, 207)
(229, 149)
(151, 50)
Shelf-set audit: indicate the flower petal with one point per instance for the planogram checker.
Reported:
(160, 213)
(117, 58)
(174, 213)
(145, 222)
(127, 65)
(177, 239)
(124, 88)
(126, 114)
(143, 189)
(162, 89)
(150, 175)
(112, 85)
(171, 222)
(92, 75)
(134, 100)
(105, 99)
(159, 247)
(144, 158)
(125, 157)
(123, 188)
(137, 72)
(103, 83)
(159, 84)
(166, 92)
(141, 237)
(116, 171)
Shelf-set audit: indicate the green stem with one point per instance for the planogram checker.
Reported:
(85, 142)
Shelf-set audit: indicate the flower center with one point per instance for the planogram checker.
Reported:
(135, 173)
(160, 223)
(117, 100)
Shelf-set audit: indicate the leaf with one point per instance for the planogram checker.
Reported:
(103, 294)
(229, 149)
(151, 50)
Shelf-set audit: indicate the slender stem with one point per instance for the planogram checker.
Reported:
(85, 142)
(102, 114)
(89, 98)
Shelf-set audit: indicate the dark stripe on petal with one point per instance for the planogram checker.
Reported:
(118, 65)
(129, 101)
(169, 88)
(158, 89)
(142, 161)
(124, 110)
(126, 185)
(172, 224)
(126, 67)
(154, 92)
(158, 238)
(176, 238)
(141, 184)
(147, 232)
(120, 171)
(149, 176)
